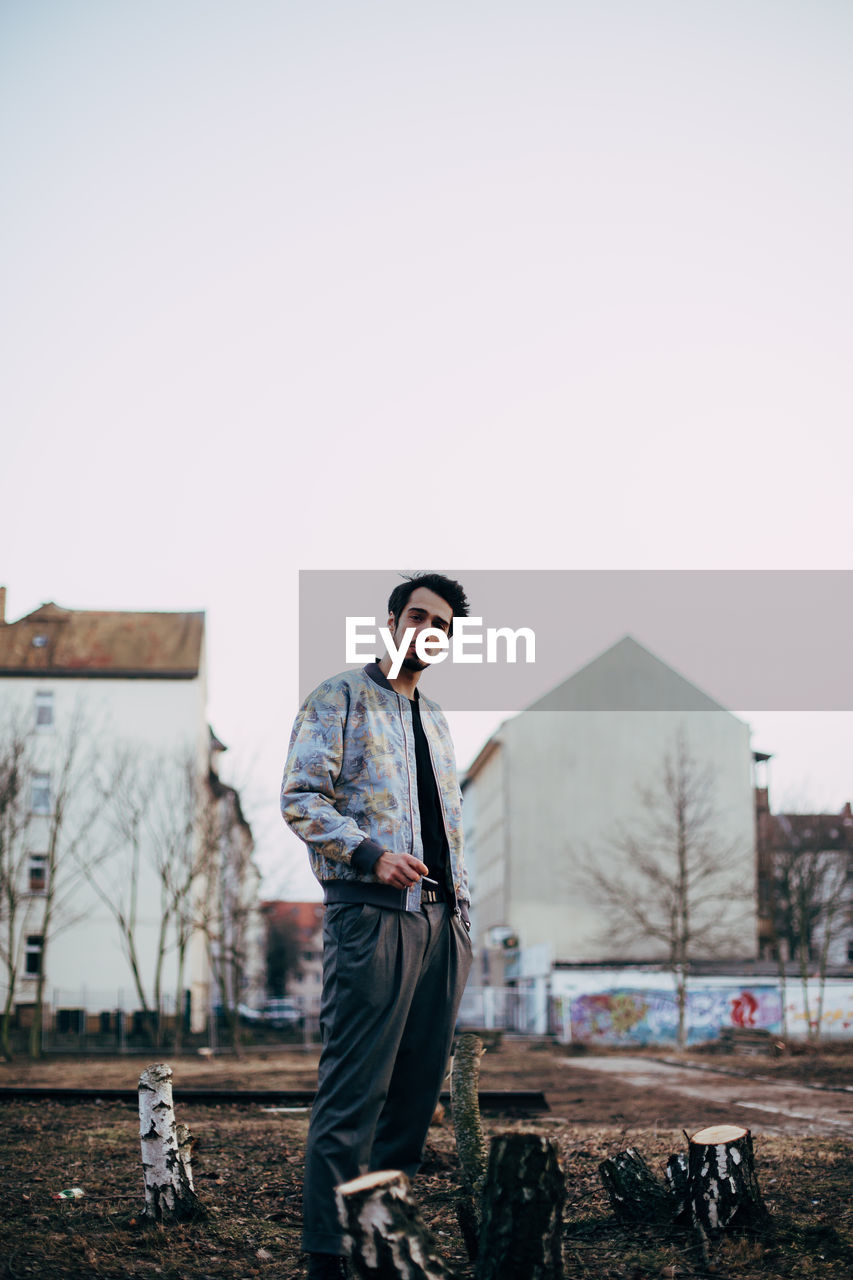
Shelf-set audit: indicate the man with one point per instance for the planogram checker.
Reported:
(370, 785)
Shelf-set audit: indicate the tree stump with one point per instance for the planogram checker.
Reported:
(470, 1139)
(678, 1181)
(386, 1237)
(166, 1170)
(722, 1183)
(522, 1211)
(635, 1193)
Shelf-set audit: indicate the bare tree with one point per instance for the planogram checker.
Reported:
(175, 824)
(46, 813)
(15, 902)
(811, 879)
(150, 846)
(118, 871)
(668, 879)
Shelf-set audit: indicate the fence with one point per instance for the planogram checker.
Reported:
(596, 1010)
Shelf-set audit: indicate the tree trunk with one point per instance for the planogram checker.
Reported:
(470, 1139)
(6, 1020)
(635, 1193)
(166, 1148)
(386, 1236)
(37, 1024)
(522, 1211)
(723, 1187)
(468, 1217)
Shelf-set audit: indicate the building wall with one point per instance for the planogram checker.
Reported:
(555, 796)
(161, 720)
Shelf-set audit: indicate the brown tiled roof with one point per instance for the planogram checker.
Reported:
(817, 832)
(307, 917)
(80, 642)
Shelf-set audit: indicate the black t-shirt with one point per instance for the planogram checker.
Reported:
(429, 805)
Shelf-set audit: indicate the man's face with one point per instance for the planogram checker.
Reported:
(424, 609)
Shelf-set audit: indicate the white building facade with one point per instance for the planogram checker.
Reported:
(109, 872)
(558, 792)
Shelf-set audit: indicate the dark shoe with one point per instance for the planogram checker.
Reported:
(327, 1266)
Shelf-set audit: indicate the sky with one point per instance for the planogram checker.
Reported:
(293, 286)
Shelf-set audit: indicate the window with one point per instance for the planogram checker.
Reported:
(32, 960)
(41, 793)
(37, 873)
(44, 712)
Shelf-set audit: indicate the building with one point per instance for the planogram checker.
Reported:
(131, 864)
(295, 951)
(234, 925)
(805, 880)
(570, 788)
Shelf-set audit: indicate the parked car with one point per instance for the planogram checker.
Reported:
(282, 1013)
(249, 1017)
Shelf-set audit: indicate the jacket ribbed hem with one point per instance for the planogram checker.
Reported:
(376, 895)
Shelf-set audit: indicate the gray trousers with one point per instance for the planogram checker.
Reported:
(392, 982)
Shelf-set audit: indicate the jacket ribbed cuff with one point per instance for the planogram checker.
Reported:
(366, 856)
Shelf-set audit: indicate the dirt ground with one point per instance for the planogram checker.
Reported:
(248, 1164)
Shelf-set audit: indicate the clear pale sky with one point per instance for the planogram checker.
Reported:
(343, 285)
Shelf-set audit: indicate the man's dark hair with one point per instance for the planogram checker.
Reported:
(449, 590)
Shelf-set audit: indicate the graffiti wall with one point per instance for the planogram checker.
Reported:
(630, 1016)
(836, 1009)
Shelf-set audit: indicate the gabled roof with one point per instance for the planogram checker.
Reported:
(626, 677)
(77, 642)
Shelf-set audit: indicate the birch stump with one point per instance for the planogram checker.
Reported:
(522, 1211)
(678, 1181)
(385, 1235)
(722, 1184)
(635, 1193)
(166, 1151)
(470, 1139)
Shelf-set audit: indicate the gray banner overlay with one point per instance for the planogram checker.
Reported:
(616, 640)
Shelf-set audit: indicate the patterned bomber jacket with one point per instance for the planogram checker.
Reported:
(350, 787)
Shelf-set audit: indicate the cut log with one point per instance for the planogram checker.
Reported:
(636, 1194)
(166, 1170)
(384, 1234)
(522, 1211)
(722, 1184)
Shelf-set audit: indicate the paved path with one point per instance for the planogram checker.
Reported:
(773, 1105)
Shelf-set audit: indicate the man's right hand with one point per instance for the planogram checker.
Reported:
(401, 870)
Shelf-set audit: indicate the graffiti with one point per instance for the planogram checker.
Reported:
(651, 1017)
(744, 1008)
(836, 1009)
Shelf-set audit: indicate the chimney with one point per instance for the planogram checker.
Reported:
(2, 605)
